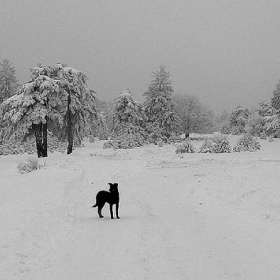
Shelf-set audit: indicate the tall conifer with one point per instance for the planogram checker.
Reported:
(8, 80)
(158, 106)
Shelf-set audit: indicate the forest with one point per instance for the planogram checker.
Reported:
(56, 110)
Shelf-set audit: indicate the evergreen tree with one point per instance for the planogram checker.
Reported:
(56, 99)
(28, 111)
(126, 121)
(8, 80)
(275, 101)
(265, 109)
(272, 126)
(127, 116)
(78, 103)
(159, 107)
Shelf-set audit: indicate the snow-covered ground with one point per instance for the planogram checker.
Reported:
(196, 216)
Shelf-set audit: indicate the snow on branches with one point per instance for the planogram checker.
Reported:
(58, 97)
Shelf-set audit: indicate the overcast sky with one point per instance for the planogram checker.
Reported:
(226, 52)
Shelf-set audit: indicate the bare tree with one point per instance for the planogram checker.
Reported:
(194, 116)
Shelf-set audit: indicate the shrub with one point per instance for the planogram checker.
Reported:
(216, 144)
(125, 141)
(108, 144)
(246, 143)
(185, 147)
(225, 129)
(30, 164)
(207, 146)
(237, 130)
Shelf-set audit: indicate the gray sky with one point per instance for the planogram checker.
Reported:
(225, 52)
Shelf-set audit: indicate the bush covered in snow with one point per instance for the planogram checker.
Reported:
(247, 143)
(216, 144)
(30, 164)
(185, 147)
(154, 135)
(125, 141)
(207, 146)
(225, 129)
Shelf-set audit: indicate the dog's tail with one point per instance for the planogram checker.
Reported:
(94, 205)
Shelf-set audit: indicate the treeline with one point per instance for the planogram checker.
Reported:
(262, 121)
(57, 102)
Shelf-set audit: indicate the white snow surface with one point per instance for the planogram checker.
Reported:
(196, 216)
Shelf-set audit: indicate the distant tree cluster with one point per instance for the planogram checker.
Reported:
(57, 103)
(263, 121)
(160, 119)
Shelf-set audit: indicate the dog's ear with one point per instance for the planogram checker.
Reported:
(110, 184)
(116, 184)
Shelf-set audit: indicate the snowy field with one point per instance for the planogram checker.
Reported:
(196, 216)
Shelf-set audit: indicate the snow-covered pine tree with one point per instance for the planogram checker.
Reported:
(263, 121)
(127, 121)
(127, 116)
(56, 99)
(8, 80)
(272, 126)
(158, 106)
(28, 111)
(266, 109)
(79, 103)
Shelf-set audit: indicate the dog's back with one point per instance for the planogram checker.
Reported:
(102, 197)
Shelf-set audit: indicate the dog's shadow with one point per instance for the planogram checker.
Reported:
(95, 219)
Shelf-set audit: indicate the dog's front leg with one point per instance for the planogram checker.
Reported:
(117, 210)
(111, 211)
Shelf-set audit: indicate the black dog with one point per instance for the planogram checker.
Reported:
(112, 197)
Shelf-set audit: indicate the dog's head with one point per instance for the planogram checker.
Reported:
(113, 187)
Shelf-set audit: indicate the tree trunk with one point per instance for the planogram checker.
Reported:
(41, 139)
(45, 139)
(70, 140)
(187, 129)
(69, 128)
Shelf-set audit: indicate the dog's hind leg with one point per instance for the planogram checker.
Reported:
(100, 206)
